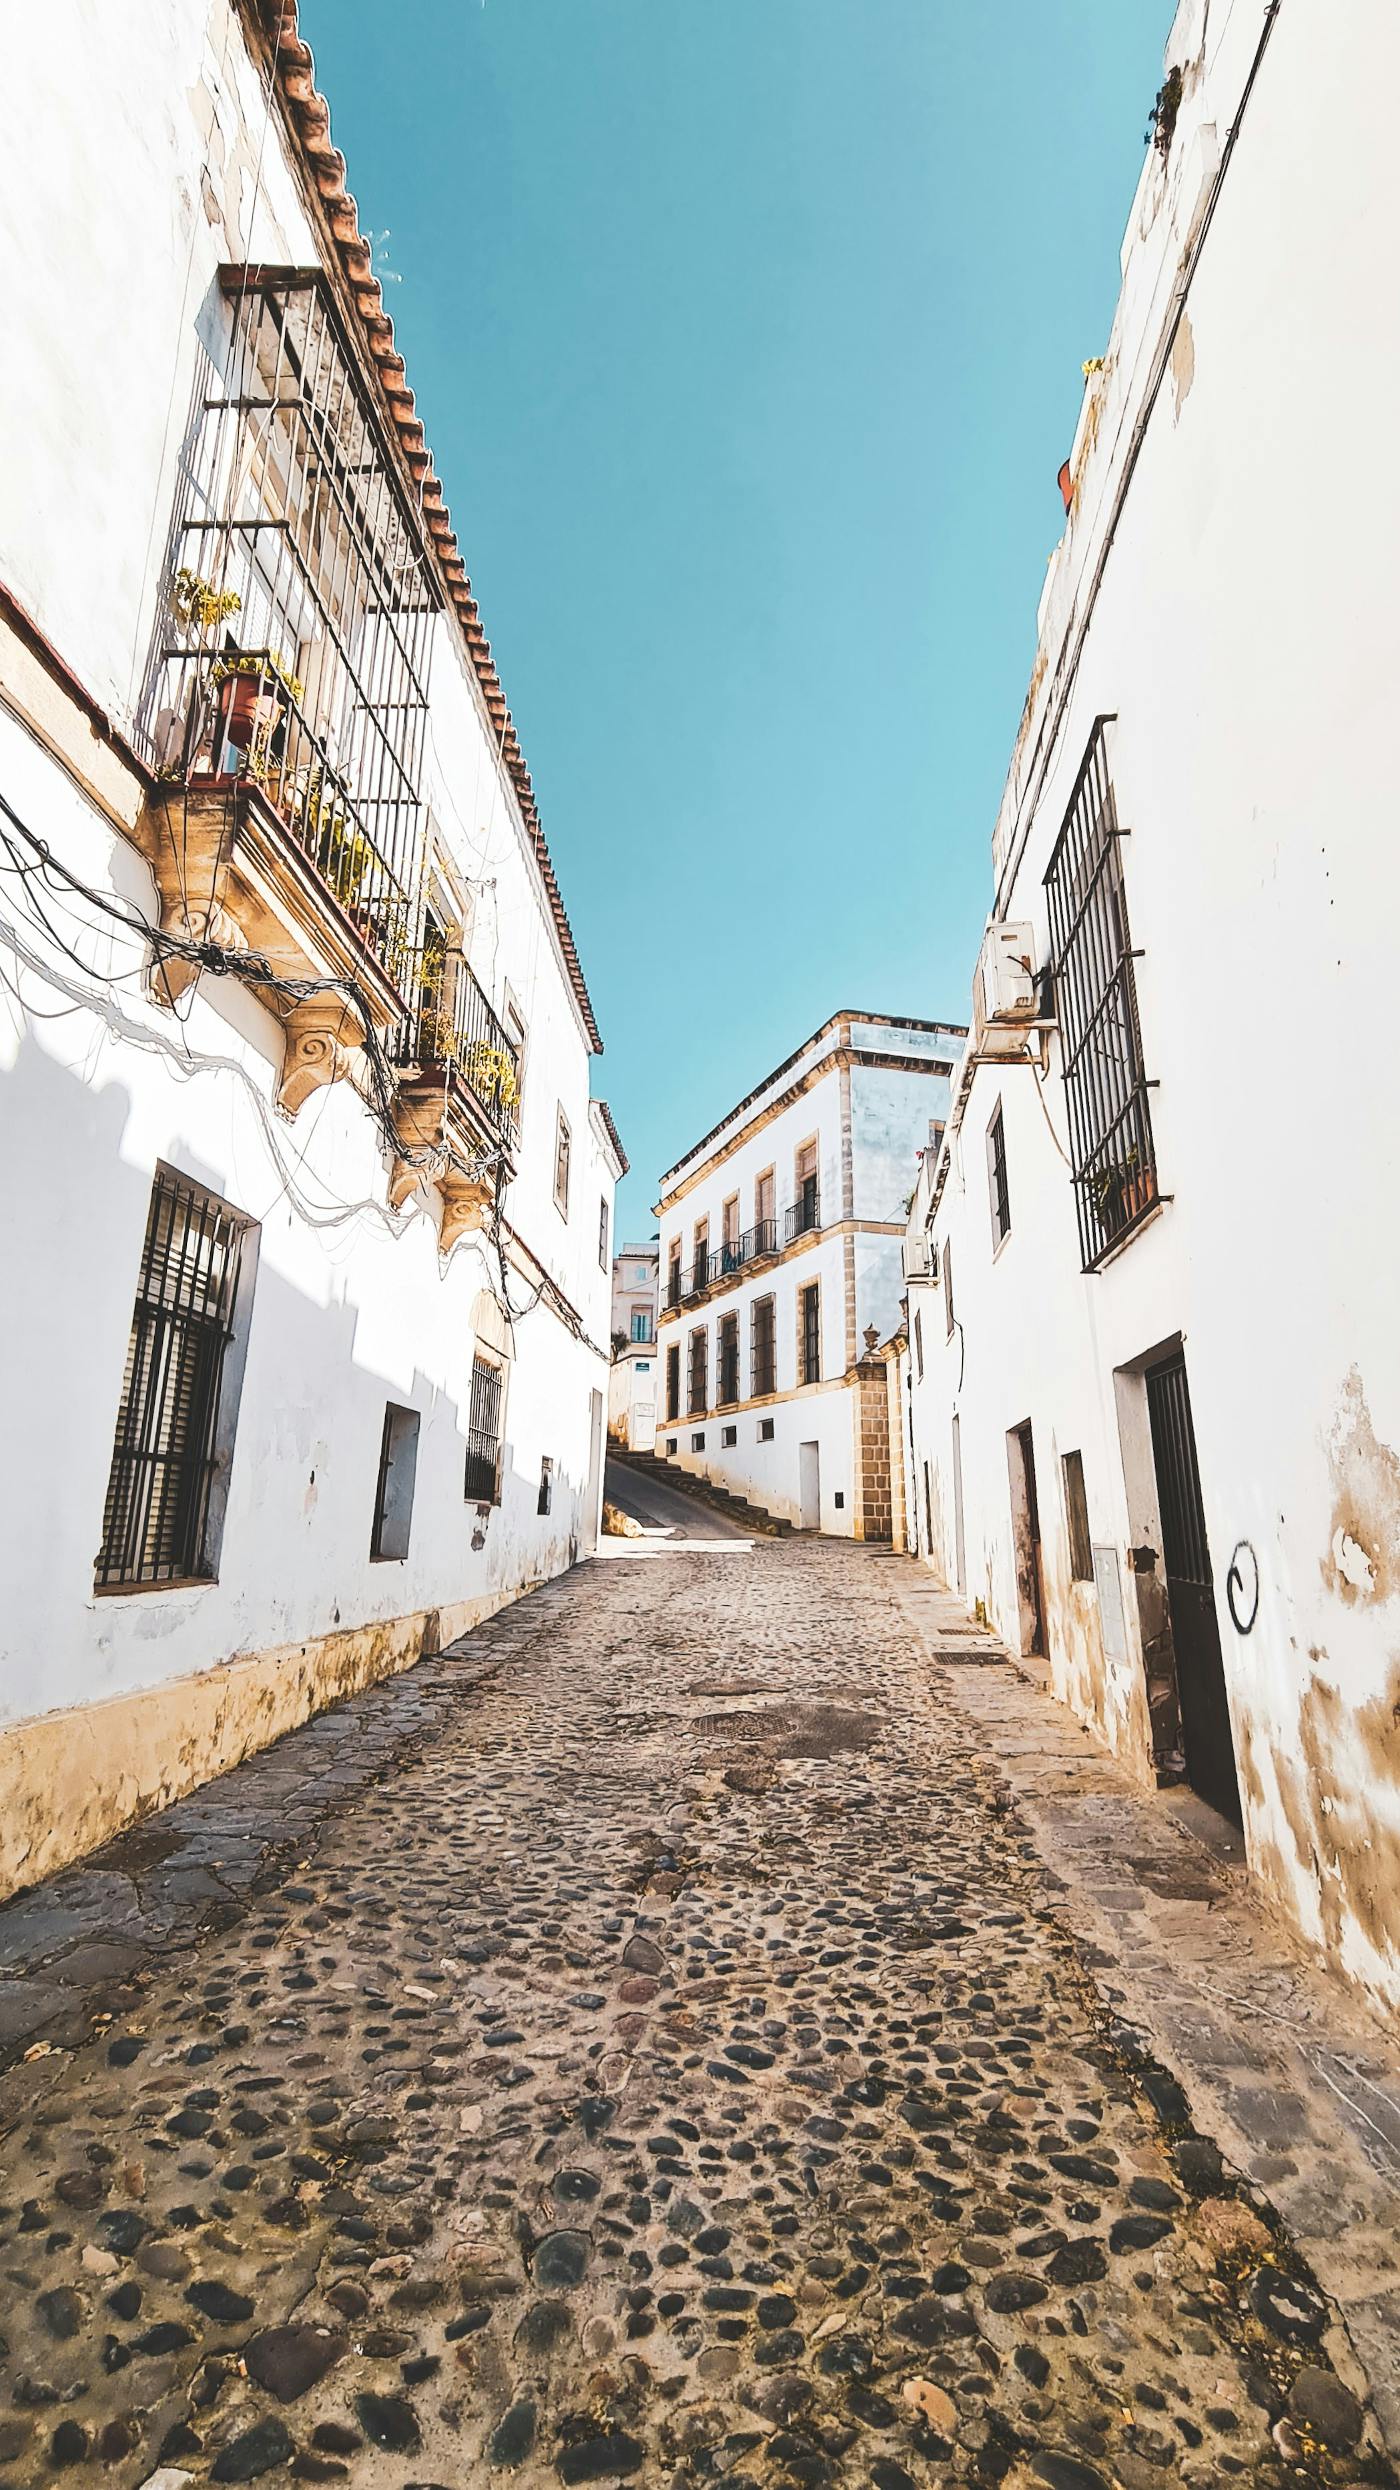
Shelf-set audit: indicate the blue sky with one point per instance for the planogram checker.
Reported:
(748, 340)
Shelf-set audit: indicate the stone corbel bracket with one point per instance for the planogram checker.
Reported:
(227, 873)
(324, 1034)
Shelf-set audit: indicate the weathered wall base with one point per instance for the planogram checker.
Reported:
(71, 1780)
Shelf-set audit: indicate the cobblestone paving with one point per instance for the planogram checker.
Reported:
(669, 2074)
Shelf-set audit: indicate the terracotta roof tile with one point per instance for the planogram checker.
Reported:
(307, 115)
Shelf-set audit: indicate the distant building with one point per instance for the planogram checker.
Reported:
(632, 1396)
(634, 1275)
(780, 1253)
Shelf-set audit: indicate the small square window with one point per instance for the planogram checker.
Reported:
(765, 1430)
(728, 1436)
(393, 1502)
(670, 1443)
(546, 1498)
(839, 1500)
(697, 1443)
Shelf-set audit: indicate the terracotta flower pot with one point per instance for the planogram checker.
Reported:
(246, 706)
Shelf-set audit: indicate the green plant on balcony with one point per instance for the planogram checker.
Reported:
(199, 606)
(491, 1072)
(263, 665)
(1122, 1190)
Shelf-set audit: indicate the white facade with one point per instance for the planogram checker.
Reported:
(141, 154)
(1225, 598)
(634, 1274)
(632, 1394)
(803, 1187)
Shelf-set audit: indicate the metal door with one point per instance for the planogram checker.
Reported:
(1200, 1670)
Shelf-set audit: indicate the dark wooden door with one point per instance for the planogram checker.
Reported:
(1200, 1670)
(1025, 1527)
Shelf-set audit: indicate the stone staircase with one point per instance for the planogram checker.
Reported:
(719, 1499)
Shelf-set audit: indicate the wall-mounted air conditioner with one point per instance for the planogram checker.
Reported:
(920, 1258)
(1008, 987)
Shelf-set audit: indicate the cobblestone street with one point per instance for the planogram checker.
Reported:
(668, 2068)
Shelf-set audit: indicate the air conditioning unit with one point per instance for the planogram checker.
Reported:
(1008, 987)
(920, 1258)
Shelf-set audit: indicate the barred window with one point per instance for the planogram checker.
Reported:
(155, 1520)
(728, 1346)
(673, 1382)
(699, 1373)
(483, 1469)
(809, 1346)
(1114, 1167)
(762, 1345)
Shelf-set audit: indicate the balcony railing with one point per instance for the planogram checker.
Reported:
(759, 1240)
(294, 637)
(243, 720)
(802, 1216)
(452, 1033)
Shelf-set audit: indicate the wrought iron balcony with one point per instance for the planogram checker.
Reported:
(803, 1216)
(759, 1240)
(452, 1038)
(285, 703)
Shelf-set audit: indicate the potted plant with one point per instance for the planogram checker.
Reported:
(490, 1072)
(198, 605)
(1123, 1191)
(253, 689)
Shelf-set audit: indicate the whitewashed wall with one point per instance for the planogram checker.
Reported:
(1244, 640)
(136, 155)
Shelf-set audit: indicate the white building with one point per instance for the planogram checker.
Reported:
(306, 1259)
(780, 1253)
(1155, 1370)
(632, 1396)
(634, 1275)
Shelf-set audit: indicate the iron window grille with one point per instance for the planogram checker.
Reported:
(1113, 1162)
(727, 1380)
(950, 1316)
(810, 1337)
(482, 1483)
(544, 1502)
(563, 1154)
(296, 625)
(155, 1518)
(699, 1376)
(996, 1177)
(673, 1384)
(763, 1331)
(451, 1033)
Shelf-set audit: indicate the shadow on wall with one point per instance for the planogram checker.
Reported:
(295, 1560)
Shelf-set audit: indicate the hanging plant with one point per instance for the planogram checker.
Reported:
(1162, 121)
(491, 1073)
